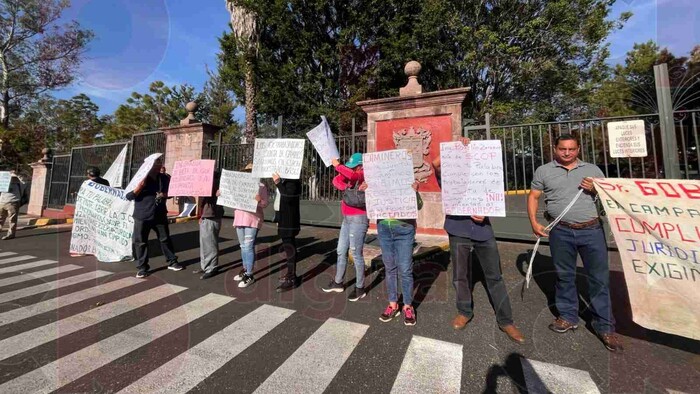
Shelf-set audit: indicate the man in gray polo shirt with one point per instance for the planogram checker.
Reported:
(579, 232)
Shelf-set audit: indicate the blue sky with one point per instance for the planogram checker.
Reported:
(141, 41)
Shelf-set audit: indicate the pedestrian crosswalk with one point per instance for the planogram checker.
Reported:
(428, 365)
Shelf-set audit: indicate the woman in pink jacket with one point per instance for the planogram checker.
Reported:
(353, 229)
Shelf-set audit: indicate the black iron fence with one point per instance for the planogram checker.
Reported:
(58, 183)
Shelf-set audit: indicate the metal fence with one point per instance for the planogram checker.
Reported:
(144, 145)
(84, 157)
(58, 183)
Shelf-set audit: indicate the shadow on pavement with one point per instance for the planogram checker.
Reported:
(512, 369)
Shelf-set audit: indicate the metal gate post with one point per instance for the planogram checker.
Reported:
(70, 168)
(669, 145)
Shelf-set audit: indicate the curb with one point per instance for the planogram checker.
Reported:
(43, 222)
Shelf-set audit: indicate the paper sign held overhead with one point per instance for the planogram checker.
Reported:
(115, 173)
(324, 143)
(283, 156)
(627, 139)
(143, 171)
(389, 176)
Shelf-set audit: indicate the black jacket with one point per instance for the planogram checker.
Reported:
(145, 205)
(289, 216)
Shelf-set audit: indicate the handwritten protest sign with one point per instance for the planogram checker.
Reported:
(102, 224)
(238, 190)
(389, 176)
(5, 179)
(656, 224)
(192, 178)
(627, 139)
(143, 171)
(324, 143)
(115, 173)
(472, 178)
(283, 156)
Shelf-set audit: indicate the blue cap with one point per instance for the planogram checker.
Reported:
(355, 160)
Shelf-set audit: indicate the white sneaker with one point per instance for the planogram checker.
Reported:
(246, 281)
(239, 277)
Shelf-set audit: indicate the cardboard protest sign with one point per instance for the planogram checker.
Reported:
(5, 179)
(238, 190)
(656, 224)
(283, 156)
(472, 178)
(627, 139)
(324, 143)
(115, 173)
(192, 178)
(143, 171)
(102, 224)
(389, 176)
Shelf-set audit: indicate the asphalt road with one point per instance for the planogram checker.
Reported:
(76, 325)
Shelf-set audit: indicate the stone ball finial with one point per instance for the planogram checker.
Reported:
(412, 69)
(47, 153)
(191, 108)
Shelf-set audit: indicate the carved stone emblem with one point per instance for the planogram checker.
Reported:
(417, 142)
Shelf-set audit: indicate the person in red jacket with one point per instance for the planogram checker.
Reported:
(353, 229)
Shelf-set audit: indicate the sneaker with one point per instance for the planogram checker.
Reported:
(176, 267)
(8, 237)
(289, 283)
(389, 313)
(208, 275)
(612, 342)
(561, 326)
(333, 287)
(246, 281)
(142, 274)
(356, 294)
(409, 316)
(240, 276)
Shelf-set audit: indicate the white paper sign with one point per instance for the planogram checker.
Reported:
(472, 178)
(324, 143)
(115, 173)
(238, 190)
(627, 139)
(103, 223)
(5, 179)
(389, 176)
(143, 171)
(283, 156)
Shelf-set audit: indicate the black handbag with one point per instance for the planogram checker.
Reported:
(355, 198)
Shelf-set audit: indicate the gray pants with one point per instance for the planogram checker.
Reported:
(209, 243)
(9, 210)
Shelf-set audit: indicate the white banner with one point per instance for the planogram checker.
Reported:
(143, 171)
(238, 190)
(103, 223)
(283, 156)
(5, 179)
(324, 143)
(389, 176)
(656, 224)
(115, 173)
(472, 178)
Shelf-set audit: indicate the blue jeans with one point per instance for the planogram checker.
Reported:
(246, 239)
(352, 237)
(397, 254)
(565, 243)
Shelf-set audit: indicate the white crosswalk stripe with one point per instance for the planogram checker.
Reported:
(38, 275)
(15, 259)
(430, 366)
(44, 287)
(47, 333)
(187, 370)
(56, 303)
(314, 365)
(21, 267)
(541, 377)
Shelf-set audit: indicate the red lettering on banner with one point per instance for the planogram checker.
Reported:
(619, 228)
(691, 193)
(672, 193)
(680, 231)
(646, 190)
(605, 185)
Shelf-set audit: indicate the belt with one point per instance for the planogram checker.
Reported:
(577, 226)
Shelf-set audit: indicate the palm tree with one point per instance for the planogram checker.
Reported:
(244, 24)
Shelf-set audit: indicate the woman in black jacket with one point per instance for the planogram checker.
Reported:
(288, 227)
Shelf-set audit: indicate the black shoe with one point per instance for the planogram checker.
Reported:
(288, 284)
(142, 274)
(208, 275)
(246, 281)
(8, 237)
(333, 287)
(356, 294)
(176, 267)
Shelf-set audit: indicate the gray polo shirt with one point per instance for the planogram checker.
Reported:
(560, 187)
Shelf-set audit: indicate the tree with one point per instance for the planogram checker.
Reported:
(36, 52)
(219, 106)
(245, 31)
(77, 121)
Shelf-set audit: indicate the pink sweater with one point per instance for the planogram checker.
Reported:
(346, 178)
(250, 219)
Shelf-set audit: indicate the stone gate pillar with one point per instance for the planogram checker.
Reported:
(41, 173)
(418, 122)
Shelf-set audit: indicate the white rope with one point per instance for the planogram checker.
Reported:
(546, 229)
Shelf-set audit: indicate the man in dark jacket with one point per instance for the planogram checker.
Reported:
(93, 174)
(150, 213)
(288, 227)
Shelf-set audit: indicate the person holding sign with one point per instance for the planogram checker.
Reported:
(10, 202)
(247, 225)
(467, 233)
(579, 232)
(93, 174)
(353, 228)
(288, 227)
(150, 213)
(210, 216)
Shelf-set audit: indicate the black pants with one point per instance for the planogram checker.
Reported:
(142, 229)
(490, 260)
(289, 245)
